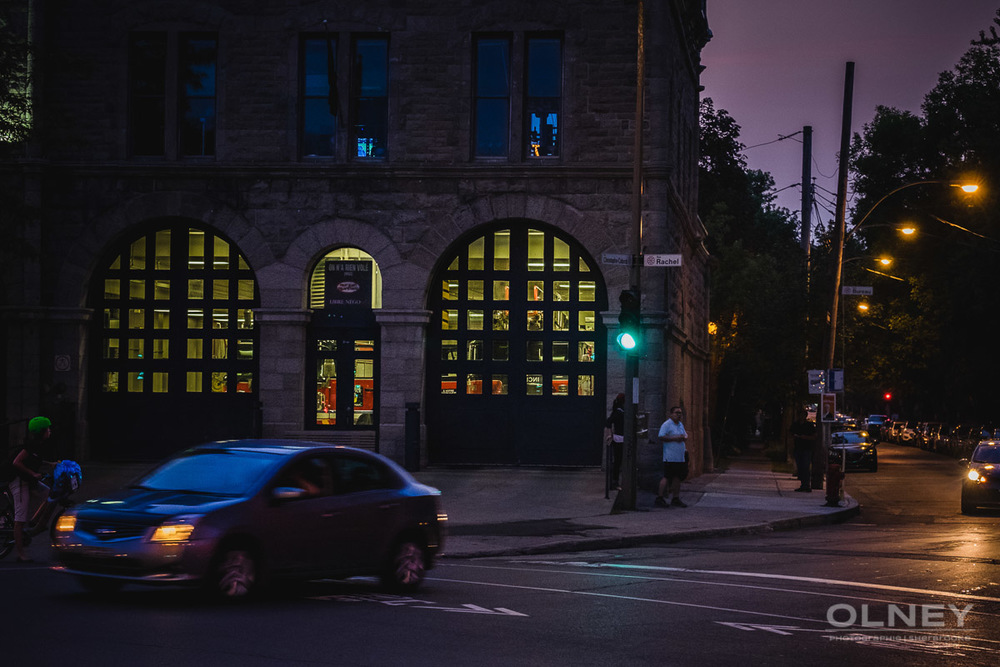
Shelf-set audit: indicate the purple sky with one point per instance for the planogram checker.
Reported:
(778, 65)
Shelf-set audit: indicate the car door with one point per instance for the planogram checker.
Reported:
(296, 526)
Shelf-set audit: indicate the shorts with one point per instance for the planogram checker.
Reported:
(677, 469)
(21, 492)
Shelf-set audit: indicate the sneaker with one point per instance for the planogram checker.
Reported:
(677, 502)
(660, 501)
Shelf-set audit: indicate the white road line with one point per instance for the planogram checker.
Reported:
(700, 582)
(761, 575)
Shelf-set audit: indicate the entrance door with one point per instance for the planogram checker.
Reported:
(175, 346)
(516, 358)
(345, 361)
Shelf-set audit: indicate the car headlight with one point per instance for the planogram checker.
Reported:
(175, 530)
(975, 476)
(66, 523)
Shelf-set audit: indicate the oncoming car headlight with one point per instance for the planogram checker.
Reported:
(175, 530)
(66, 523)
(975, 476)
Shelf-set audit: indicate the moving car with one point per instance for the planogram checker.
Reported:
(860, 451)
(874, 425)
(981, 483)
(230, 516)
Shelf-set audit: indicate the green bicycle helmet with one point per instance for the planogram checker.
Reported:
(39, 424)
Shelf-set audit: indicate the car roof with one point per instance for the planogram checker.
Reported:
(283, 447)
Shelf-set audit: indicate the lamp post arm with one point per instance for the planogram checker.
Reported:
(891, 193)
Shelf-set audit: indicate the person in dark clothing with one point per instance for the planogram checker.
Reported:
(616, 422)
(804, 440)
(27, 465)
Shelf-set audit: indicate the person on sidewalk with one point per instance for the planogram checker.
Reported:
(675, 459)
(616, 422)
(804, 438)
(27, 466)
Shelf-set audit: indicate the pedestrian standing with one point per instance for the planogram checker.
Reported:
(675, 459)
(27, 465)
(616, 422)
(804, 440)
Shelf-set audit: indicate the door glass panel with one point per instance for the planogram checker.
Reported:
(326, 391)
(536, 290)
(560, 385)
(162, 261)
(137, 290)
(585, 385)
(588, 290)
(476, 256)
(501, 290)
(221, 248)
(474, 384)
(449, 350)
(135, 348)
(449, 290)
(219, 380)
(474, 350)
(449, 383)
(560, 320)
(560, 350)
(534, 385)
(535, 350)
(536, 320)
(196, 288)
(110, 383)
(586, 320)
(586, 351)
(449, 320)
(500, 384)
(560, 290)
(501, 320)
(193, 383)
(364, 391)
(195, 348)
(560, 255)
(137, 255)
(501, 350)
(501, 250)
(475, 321)
(476, 290)
(536, 250)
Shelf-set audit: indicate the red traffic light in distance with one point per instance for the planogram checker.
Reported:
(887, 395)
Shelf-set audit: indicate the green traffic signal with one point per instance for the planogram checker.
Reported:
(629, 321)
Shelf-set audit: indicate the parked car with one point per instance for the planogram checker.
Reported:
(874, 425)
(981, 483)
(927, 434)
(857, 447)
(908, 433)
(231, 516)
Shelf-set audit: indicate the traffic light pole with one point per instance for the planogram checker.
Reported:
(626, 499)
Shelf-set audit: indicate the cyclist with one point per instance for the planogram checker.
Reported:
(27, 481)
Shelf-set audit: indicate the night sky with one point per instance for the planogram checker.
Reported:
(778, 65)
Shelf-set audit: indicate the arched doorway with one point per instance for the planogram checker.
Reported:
(516, 350)
(343, 345)
(174, 344)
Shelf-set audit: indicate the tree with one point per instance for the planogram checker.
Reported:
(15, 101)
(757, 283)
(940, 319)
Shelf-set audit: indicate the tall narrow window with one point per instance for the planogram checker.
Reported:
(370, 96)
(196, 94)
(148, 91)
(543, 103)
(492, 103)
(320, 102)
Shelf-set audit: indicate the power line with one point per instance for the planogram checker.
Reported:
(768, 143)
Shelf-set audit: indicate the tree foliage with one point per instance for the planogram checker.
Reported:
(757, 282)
(15, 101)
(930, 338)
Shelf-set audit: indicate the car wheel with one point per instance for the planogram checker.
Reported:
(234, 575)
(406, 567)
(100, 585)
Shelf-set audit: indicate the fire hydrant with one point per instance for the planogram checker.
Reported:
(834, 485)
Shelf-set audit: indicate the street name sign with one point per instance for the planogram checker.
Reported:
(618, 260)
(662, 260)
(859, 290)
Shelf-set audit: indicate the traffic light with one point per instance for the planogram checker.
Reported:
(887, 396)
(629, 321)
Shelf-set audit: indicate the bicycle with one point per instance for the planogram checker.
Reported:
(62, 482)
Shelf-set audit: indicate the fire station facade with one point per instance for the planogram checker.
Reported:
(347, 222)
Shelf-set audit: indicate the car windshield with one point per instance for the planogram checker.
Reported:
(849, 438)
(229, 473)
(987, 455)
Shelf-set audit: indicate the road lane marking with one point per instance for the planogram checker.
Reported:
(762, 575)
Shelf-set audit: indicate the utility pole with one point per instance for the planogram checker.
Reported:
(807, 190)
(626, 498)
(820, 453)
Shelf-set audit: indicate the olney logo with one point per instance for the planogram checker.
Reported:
(348, 287)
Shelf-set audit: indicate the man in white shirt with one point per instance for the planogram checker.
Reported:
(675, 459)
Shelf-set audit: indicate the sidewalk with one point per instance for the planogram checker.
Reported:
(517, 511)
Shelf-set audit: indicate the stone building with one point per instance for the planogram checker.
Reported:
(375, 223)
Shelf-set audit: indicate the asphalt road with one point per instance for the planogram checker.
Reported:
(909, 582)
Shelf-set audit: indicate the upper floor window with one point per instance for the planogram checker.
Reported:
(543, 101)
(181, 69)
(492, 96)
(320, 99)
(370, 96)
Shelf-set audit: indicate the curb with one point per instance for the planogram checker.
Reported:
(623, 542)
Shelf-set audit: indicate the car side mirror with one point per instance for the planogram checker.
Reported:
(287, 493)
